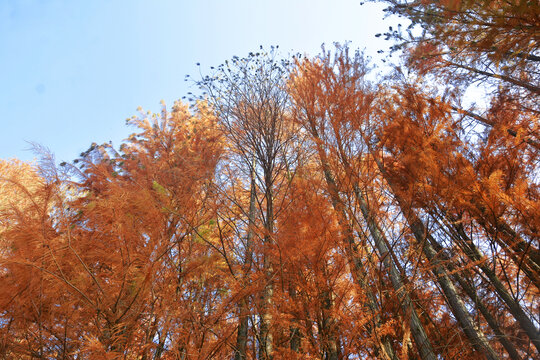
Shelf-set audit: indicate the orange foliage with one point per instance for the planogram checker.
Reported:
(316, 216)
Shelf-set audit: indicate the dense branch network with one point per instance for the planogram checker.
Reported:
(298, 211)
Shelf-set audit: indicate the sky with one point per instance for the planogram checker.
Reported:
(72, 71)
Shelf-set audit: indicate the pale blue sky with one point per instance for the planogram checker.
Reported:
(72, 71)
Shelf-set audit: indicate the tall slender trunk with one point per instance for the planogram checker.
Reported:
(459, 310)
(295, 336)
(329, 323)
(243, 306)
(524, 255)
(359, 273)
(266, 338)
(474, 334)
(242, 334)
(472, 294)
(514, 307)
(417, 329)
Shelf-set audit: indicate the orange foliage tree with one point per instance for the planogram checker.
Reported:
(299, 211)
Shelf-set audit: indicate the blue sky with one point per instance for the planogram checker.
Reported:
(72, 71)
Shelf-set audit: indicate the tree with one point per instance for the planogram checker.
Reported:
(249, 98)
(317, 92)
(297, 211)
(444, 182)
(337, 111)
(98, 268)
(494, 43)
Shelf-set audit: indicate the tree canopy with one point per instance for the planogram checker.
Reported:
(299, 210)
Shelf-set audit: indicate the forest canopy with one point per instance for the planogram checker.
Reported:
(299, 209)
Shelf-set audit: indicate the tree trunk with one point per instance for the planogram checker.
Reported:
(417, 329)
(524, 255)
(475, 335)
(266, 338)
(420, 337)
(329, 325)
(359, 273)
(471, 293)
(295, 335)
(243, 306)
(513, 306)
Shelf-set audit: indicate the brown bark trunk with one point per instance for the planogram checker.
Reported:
(243, 308)
(266, 338)
(475, 335)
(513, 306)
(295, 336)
(524, 255)
(417, 329)
(420, 337)
(471, 293)
(357, 268)
(329, 325)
